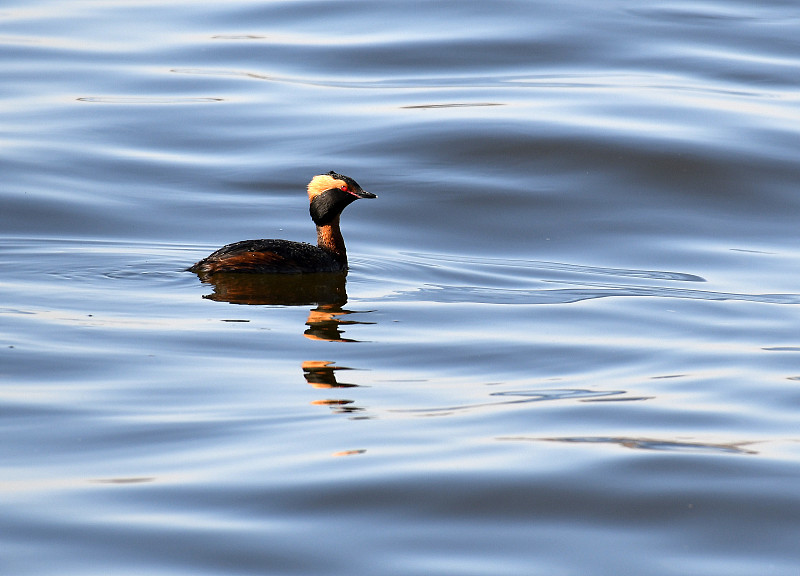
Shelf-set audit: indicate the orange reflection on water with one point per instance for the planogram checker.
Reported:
(321, 374)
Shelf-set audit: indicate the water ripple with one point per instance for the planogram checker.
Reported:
(584, 81)
(454, 105)
(560, 267)
(528, 396)
(483, 295)
(147, 100)
(646, 444)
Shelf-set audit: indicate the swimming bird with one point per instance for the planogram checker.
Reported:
(328, 195)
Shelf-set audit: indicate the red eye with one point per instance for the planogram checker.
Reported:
(343, 187)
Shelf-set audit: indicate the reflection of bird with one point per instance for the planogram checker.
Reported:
(328, 195)
(277, 289)
(320, 374)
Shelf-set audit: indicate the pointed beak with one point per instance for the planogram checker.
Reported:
(363, 194)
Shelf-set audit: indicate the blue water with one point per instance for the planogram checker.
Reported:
(567, 344)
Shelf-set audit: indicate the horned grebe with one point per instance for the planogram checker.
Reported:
(328, 195)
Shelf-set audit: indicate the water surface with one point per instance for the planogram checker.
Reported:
(567, 343)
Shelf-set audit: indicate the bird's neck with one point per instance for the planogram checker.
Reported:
(329, 238)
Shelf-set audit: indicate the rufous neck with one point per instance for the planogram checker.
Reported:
(329, 238)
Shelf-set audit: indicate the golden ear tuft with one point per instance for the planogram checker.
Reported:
(321, 183)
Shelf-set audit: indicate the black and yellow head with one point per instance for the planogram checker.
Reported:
(330, 193)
